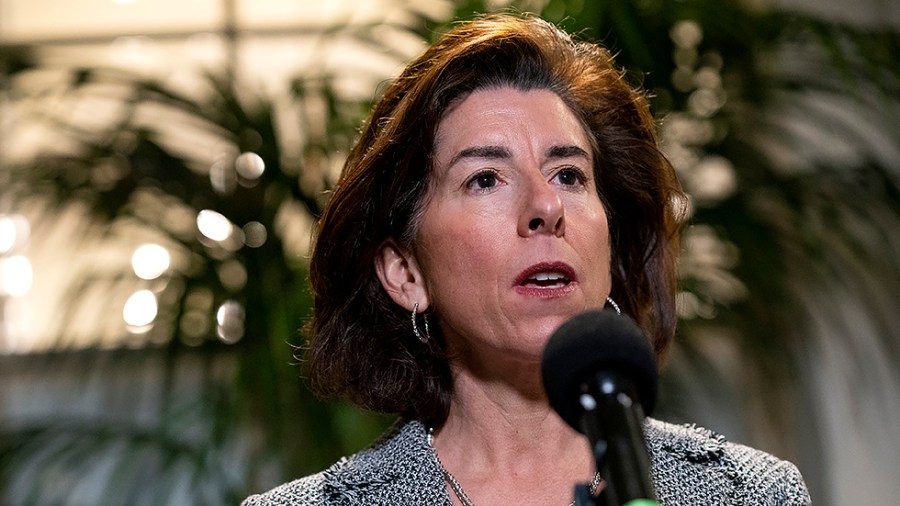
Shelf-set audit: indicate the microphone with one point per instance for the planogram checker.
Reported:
(600, 376)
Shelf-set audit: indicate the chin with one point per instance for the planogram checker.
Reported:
(531, 347)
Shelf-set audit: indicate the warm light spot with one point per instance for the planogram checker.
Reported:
(255, 234)
(7, 234)
(222, 177)
(230, 322)
(232, 274)
(140, 310)
(706, 102)
(14, 230)
(132, 50)
(150, 261)
(213, 225)
(249, 165)
(16, 275)
(713, 179)
(686, 33)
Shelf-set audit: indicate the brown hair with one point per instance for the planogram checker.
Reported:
(361, 343)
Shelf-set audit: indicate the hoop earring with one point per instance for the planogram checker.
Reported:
(424, 337)
(614, 305)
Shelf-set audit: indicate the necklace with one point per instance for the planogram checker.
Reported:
(461, 494)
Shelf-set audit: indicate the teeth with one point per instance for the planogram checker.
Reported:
(548, 276)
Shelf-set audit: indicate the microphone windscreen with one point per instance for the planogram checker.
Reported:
(591, 342)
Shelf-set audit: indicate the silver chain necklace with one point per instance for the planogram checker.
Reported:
(461, 494)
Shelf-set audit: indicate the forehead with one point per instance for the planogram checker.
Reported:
(498, 116)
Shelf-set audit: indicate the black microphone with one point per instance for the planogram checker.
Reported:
(600, 376)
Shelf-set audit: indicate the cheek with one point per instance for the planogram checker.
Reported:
(604, 255)
(588, 217)
(600, 236)
(593, 241)
(457, 256)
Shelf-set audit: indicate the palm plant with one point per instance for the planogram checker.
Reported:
(787, 253)
(226, 183)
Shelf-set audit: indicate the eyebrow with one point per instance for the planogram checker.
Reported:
(567, 152)
(489, 152)
(500, 153)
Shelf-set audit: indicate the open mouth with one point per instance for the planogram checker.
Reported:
(546, 280)
(546, 275)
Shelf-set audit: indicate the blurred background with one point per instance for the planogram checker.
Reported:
(161, 164)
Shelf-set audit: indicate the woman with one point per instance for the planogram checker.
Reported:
(508, 180)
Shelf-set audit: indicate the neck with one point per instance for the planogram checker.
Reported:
(504, 443)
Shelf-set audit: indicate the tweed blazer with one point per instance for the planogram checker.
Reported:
(689, 466)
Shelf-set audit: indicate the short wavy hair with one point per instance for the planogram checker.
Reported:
(361, 344)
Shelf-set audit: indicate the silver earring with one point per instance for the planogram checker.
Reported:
(424, 337)
(611, 303)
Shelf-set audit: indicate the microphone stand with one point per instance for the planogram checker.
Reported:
(613, 423)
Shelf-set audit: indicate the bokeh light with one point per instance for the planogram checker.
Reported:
(232, 274)
(16, 275)
(222, 176)
(230, 322)
(214, 225)
(150, 261)
(14, 231)
(686, 33)
(249, 166)
(140, 311)
(255, 234)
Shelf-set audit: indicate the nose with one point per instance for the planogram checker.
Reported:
(542, 210)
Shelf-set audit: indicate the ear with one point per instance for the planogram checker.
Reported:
(401, 276)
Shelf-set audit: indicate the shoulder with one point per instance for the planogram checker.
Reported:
(693, 465)
(399, 468)
(302, 492)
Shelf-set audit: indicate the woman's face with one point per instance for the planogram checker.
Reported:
(513, 240)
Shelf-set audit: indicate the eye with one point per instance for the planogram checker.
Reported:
(484, 180)
(570, 176)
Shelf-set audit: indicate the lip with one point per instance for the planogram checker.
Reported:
(549, 267)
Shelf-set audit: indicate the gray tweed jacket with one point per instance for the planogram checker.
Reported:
(689, 466)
